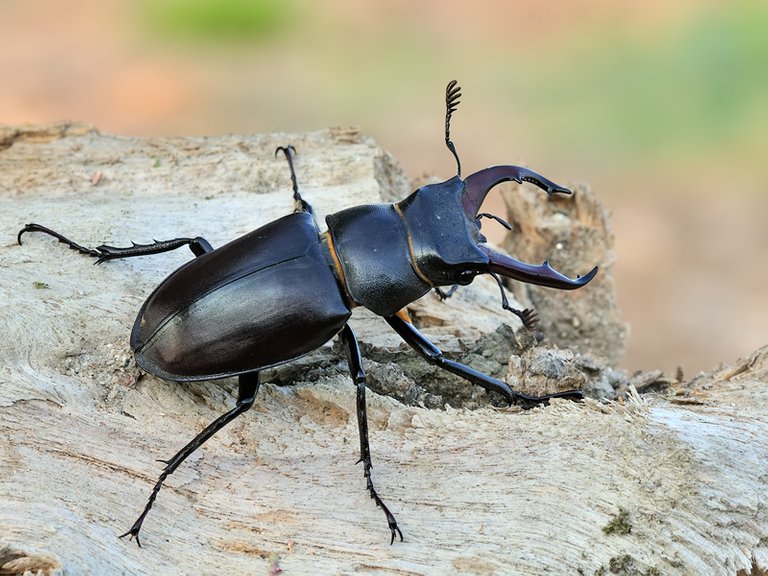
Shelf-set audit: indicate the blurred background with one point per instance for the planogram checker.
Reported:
(662, 107)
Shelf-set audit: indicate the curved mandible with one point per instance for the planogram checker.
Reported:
(543, 275)
(480, 183)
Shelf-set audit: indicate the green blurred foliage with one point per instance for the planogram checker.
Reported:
(217, 21)
(662, 92)
(698, 87)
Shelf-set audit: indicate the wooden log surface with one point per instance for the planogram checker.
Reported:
(669, 484)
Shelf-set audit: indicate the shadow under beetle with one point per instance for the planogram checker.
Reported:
(285, 289)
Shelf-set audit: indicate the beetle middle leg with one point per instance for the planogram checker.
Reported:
(433, 355)
(358, 377)
(198, 245)
(248, 386)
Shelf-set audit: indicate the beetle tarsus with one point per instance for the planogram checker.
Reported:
(72, 245)
(445, 294)
(301, 204)
(136, 528)
(355, 361)
(528, 317)
(526, 402)
(248, 386)
(391, 522)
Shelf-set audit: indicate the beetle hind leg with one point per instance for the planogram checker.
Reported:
(247, 387)
(358, 376)
(199, 246)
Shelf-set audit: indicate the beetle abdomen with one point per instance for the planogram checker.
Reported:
(261, 300)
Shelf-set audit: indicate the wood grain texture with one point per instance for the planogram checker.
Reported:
(475, 492)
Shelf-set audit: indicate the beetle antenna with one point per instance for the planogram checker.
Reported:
(452, 95)
(301, 204)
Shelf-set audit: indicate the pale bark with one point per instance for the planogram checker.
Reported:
(483, 491)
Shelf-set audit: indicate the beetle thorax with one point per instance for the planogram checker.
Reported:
(442, 239)
(389, 255)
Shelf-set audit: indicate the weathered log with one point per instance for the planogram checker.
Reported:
(669, 484)
(574, 233)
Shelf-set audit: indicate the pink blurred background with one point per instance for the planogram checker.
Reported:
(661, 106)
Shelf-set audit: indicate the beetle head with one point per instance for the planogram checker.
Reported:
(444, 225)
(444, 232)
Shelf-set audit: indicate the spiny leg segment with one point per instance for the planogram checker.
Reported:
(358, 377)
(247, 389)
(105, 252)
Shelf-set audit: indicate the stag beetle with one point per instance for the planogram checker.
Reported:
(286, 288)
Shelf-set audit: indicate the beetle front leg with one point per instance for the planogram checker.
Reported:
(433, 355)
(358, 377)
(199, 246)
(248, 386)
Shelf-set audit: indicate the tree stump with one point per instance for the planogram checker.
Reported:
(664, 484)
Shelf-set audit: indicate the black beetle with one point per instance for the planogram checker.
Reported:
(285, 289)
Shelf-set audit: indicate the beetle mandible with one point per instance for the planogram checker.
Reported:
(223, 314)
